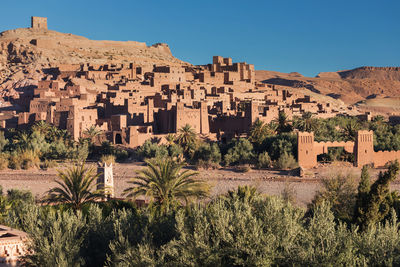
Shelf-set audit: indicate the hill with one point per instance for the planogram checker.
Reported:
(351, 86)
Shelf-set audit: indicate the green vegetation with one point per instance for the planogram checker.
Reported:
(43, 145)
(240, 228)
(164, 182)
(75, 187)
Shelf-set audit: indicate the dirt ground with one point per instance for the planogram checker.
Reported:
(269, 182)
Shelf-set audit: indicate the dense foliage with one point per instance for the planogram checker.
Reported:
(240, 228)
(42, 145)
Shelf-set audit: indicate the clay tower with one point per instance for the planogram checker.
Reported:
(39, 23)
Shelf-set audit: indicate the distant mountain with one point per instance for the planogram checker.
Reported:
(351, 86)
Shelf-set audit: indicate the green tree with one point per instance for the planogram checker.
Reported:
(375, 206)
(187, 137)
(91, 133)
(170, 139)
(283, 123)
(307, 123)
(349, 129)
(258, 132)
(207, 155)
(41, 127)
(339, 192)
(3, 141)
(363, 190)
(164, 182)
(76, 187)
(240, 153)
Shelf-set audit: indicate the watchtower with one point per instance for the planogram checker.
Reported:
(204, 125)
(105, 180)
(305, 150)
(39, 23)
(364, 148)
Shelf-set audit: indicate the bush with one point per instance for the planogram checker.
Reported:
(264, 161)
(240, 153)
(48, 163)
(29, 159)
(3, 141)
(80, 152)
(151, 150)
(285, 162)
(121, 154)
(288, 193)
(280, 144)
(14, 161)
(3, 161)
(242, 168)
(175, 151)
(207, 156)
(108, 159)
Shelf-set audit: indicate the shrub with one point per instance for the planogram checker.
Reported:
(285, 162)
(288, 193)
(151, 150)
(175, 151)
(29, 159)
(48, 163)
(201, 164)
(3, 141)
(108, 159)
(120, 154)
(3, 161)
(339, 191)
(207, 155)
(14, 161)
(243, 168)
(264, 161)
(280, 144)
(79, 152)
(240, 153)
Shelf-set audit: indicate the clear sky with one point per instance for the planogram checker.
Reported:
(306, 36)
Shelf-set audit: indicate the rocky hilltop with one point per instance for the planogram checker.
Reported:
(351, 86)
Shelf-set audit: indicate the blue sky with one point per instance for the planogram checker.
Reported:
(306, 36)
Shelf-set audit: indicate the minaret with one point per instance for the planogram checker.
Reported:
(106, 179)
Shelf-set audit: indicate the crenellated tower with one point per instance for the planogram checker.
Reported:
(364, 148)
(305, 150)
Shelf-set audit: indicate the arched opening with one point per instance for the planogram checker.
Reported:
(118, 139)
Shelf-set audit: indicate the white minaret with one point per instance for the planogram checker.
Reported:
(106, 179)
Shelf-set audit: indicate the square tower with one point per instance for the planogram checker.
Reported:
(364, 148)
(306, 155)
(39, 23)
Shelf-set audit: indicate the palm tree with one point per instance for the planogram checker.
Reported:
(22, 140)
(164, 182)
(41, 127)
(243, 193)
(257, 132)
(76, 187)
(170, 139)
(349, 130)
(187, 137)
(307, 123)
(283, 122)
(92, 132)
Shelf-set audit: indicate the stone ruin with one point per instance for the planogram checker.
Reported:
(39, 23)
